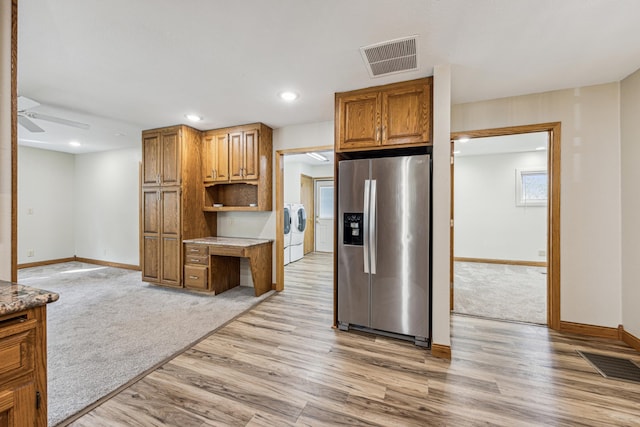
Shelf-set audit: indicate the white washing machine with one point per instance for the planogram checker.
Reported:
(288, 225)
(298, 226)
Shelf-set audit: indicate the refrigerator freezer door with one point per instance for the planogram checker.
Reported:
(353, 282)
(400, 287)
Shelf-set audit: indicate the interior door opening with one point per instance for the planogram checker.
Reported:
(502, 202)
(297, 173)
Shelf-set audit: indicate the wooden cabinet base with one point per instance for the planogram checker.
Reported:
(23, 368)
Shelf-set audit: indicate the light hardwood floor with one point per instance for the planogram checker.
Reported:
(282, 364)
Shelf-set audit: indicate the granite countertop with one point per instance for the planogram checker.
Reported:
(228, 241)
(15, 297)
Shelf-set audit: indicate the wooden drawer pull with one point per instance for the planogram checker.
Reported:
(194, 277)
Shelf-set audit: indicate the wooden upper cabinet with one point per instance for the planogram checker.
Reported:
(360, 120)
(387, 116)
(215, 162)
(161, 157)
(243, 155)
(247, 183)
(151, 158)
(170, 143)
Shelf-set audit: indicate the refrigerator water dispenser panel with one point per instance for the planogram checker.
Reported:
(353, 229)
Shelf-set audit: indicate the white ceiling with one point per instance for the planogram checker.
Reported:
(145, 63)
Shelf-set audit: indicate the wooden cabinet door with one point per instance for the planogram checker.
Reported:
(151, 158)
(18, 405)
(236, 162)
(406, 113)
(151, 234)
(208, 158)
(358, 120)
(215, 164)
(171, 170)
(151, 258)
(250, 154)
(170, 237)
(221, 157)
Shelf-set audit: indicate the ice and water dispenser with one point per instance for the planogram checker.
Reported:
(353, 229)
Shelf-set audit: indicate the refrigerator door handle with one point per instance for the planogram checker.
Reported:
(365, 221)
(372, 228)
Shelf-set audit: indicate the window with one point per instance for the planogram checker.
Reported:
(531, 187)
(326, 202)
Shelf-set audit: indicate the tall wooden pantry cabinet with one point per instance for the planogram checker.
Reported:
(171, 201)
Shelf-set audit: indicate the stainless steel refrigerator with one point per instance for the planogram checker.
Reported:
(383, 246)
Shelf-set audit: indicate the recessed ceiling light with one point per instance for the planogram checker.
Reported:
(75, 144)
(193, 117)
(289, 96)
(540, 148)
(463, 139)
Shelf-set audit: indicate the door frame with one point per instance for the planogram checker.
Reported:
(279, 169)
(310, 208)
(553, 208)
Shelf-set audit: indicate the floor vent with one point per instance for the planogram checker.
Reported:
(613, 367)
(390, 57)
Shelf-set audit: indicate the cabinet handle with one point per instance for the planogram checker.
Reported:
(158, 196)
(194, 260)
(384, 133)
(194, 277)
(157, 178)
(214, 173)
(194, 250)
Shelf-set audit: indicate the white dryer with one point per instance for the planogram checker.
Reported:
(299, 225)
(288, 225)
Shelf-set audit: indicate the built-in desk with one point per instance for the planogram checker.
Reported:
(213, 263)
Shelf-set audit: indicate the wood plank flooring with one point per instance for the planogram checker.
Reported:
(281, 364)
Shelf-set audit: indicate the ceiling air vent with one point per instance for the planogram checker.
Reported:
(393, 56)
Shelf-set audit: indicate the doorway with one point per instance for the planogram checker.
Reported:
(500, 220)
(291, 164)
(552, 209)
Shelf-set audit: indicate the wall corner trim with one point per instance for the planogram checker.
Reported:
(441, 351)
(629, 339)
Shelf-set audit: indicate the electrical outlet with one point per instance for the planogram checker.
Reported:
(542, 253)
(31, 252)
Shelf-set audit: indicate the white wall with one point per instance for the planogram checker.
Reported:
(590, 189)
(45, 205)
(488, 224)
(5, 140)
(630, 154)
(291, 175)
(84, 205)
(106, 208)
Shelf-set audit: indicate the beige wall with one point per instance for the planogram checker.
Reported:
(5, 140)
(630, 151)
(590, 189)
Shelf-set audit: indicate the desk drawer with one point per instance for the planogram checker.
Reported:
(196, 277)
(196, 259)
(193, 249)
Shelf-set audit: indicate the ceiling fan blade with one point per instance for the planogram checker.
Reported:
(28, 124)
(25, 103)
(56, 120)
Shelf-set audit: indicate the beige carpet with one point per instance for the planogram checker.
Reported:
(499, 291)
(109, 326)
